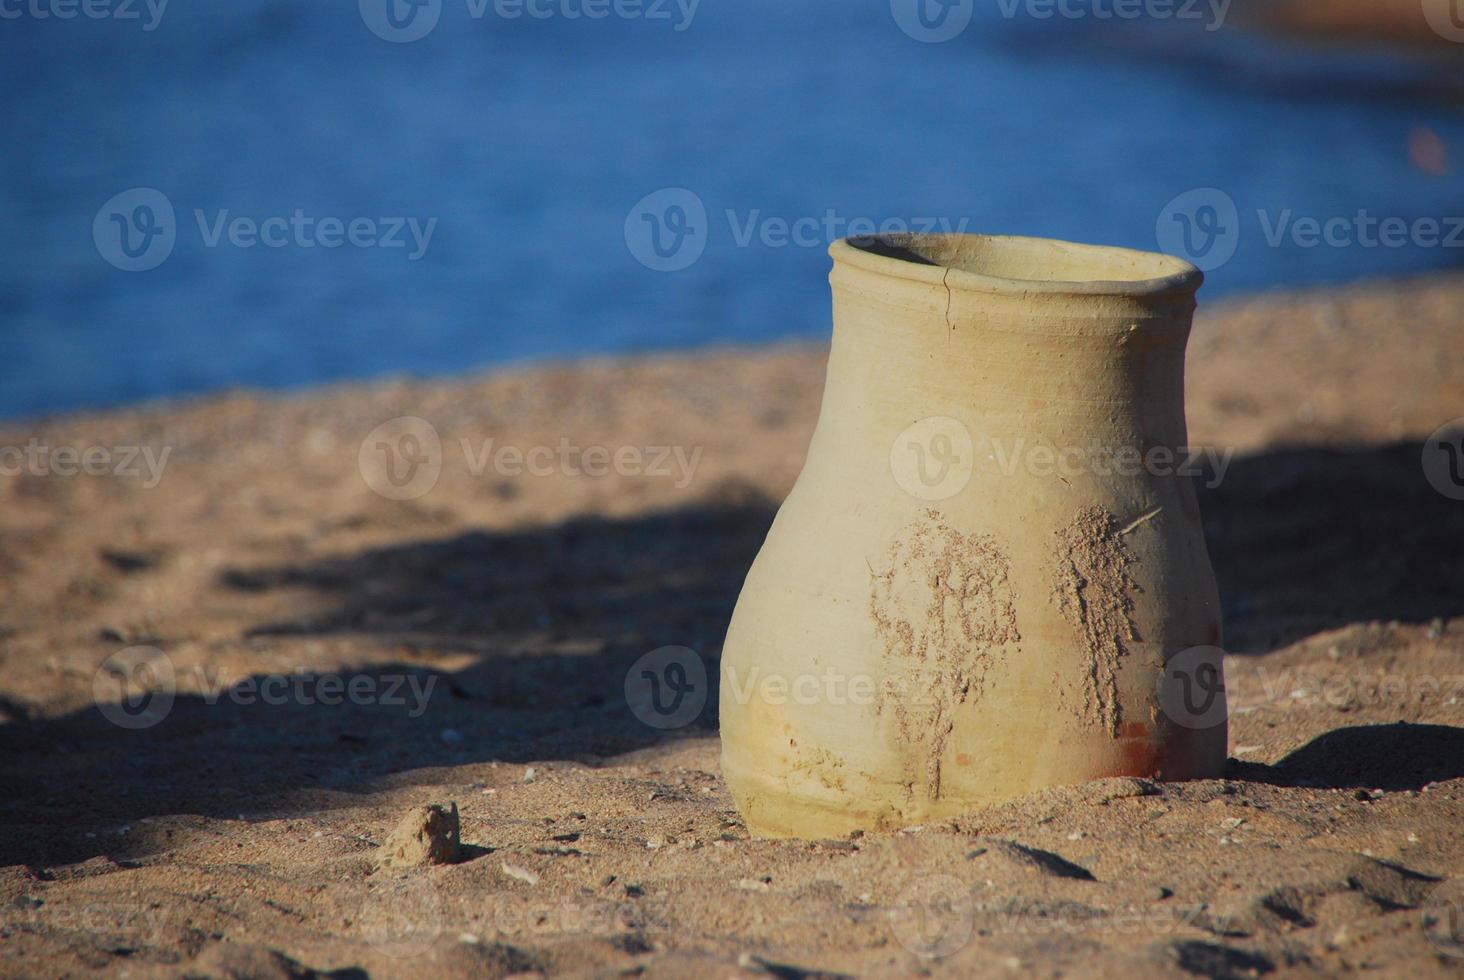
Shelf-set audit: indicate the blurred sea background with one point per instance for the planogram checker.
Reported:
(530, 141)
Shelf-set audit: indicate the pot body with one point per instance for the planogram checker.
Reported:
(990, 556)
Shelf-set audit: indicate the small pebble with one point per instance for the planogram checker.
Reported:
(526, 875)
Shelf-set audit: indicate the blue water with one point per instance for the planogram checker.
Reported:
(530, 142)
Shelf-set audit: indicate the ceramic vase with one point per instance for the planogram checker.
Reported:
(990, 576)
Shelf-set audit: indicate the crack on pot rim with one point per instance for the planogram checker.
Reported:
(957, 261)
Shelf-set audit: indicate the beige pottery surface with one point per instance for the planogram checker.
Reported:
(989, 578)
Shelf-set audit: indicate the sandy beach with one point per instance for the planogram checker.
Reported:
(340, 657)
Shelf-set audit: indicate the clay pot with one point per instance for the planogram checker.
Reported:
(975, 587)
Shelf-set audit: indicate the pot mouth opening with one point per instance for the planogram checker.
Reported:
(1007, 263)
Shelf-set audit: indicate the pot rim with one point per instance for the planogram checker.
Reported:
(857, 252)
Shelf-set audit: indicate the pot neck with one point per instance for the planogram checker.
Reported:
(1072, 358)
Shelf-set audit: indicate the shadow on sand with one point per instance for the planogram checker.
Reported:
(1388, 757)
(554, 617)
